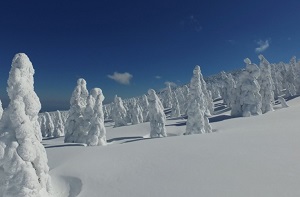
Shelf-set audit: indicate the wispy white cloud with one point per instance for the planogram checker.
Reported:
(122, 78)
(158, 77)
(263, 45)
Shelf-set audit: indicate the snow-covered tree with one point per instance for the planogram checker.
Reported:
(175, 106)
(247, 99)
(277, 80)
(136, 113)
(24, 170)
(157, 116)
(197, 121)
(181, 99)
(43, 124)
(167, 96)
(1, 109)
(59, 126)
(49, 125)
(75, 120)
(119, 113)
(266, 85)
(145, 108)
(207, 99)
(282, 102)
(289, 80)
(97, 132)
(228, 88)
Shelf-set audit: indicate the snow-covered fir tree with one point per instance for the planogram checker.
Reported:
(167, 96)
(175, 106)
(157, 116)
(289, 80)
(181, 100)
(197, 121)
(266, 85)
(228, 88)
(277, 80)
(59, 126)
(136, 113)
(97, 132)
(208, 102)
(119, 113)
(247, 99)
(49, 125)
(145, 108)
(43, 124)
(23, 161)
(75, 120)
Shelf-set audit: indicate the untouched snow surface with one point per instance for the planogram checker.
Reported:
(245, 157)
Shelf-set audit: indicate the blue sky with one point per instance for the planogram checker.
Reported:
(66, 40)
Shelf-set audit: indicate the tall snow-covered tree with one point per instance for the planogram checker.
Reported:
(247, 100)
(208, 102)
(145, 108)
(266, 85)
(23, 161)
(136, 113)
(288, 80)
(49, 125)
(181, 99)
(167, 96)
(197, 121)
(43, 124)
(228, 88)
(75, 120)
(175, 106)
(119, 113)
(97, 132)
(157, 116)
(59, 126)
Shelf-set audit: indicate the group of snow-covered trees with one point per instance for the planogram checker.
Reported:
(253, 90)
(85, 123)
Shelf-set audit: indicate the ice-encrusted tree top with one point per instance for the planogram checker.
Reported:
(1, 109)
(23, 160)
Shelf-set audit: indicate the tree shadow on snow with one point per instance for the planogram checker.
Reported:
(124, 138)
(178, 124)
(220, 118)
(64, 145)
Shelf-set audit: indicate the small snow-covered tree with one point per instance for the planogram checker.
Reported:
(197, 121)
(136, 113)
(175, 107)
(43, 124)
(207, 99)
(266, 85)
(59, 127)
(181, 99)
(228, 88)
(49, 125)
(282, 102)
(288, 80)
(24, 170)
(247, 99)
(97, 132)
(119, 113)
(75, 120)
(167, 96)
(157, 116)
(145, 108)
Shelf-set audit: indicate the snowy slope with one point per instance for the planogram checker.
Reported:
(245, 157)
